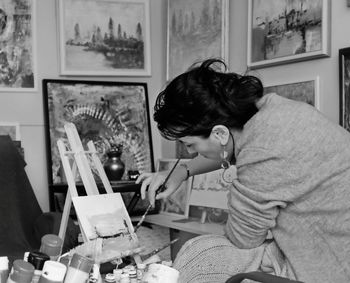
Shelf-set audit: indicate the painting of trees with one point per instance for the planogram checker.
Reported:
(196, 31)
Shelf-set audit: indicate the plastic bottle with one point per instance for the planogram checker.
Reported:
(4, 269)
(79, 269)
(53, 272)
(22, 272)
(37, 259)
(51, 245)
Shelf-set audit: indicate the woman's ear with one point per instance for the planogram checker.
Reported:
(222, 133)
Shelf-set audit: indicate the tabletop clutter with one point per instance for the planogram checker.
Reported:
(48, 265)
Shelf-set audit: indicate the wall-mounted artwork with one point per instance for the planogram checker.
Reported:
(107, 113)
(210, 190)
(17, 45)
(344, 87)
(197, 30)
(177, 203)
(305, 90)
(283, 31)
(11, 129)
(105, 37)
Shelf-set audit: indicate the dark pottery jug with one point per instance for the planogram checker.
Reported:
(114, 166)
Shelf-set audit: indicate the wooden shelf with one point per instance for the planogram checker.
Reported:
(189, 225)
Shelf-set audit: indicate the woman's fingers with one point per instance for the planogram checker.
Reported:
(156, 182)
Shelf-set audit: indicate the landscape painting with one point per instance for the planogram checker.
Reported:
(104, 37)
(17, 63)
(306, 91)
(281, 31)
(197, 30)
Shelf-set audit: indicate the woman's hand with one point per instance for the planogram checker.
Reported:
(154, 180)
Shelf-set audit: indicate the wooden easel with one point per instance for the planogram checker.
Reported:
(74, 160)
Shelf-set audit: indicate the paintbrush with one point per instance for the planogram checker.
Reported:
(162, 188)
(155, 251)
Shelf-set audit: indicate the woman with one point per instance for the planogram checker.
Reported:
(293, 169)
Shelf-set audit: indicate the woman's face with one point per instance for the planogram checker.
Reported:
(207, 147)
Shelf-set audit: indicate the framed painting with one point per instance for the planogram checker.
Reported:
(177, 203)
(305, 90)
(283, 31)
(17, 41)
(196, 30)
(105, 37)
(11, 129)
(107, 113)
(209, 190)
(344, 87)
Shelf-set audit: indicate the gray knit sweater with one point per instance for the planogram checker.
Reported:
(293, 168)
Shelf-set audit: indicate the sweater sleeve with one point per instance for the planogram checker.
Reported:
(263, 186)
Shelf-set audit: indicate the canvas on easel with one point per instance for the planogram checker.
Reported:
(103, 219)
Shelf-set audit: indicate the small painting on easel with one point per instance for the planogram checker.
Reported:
(102, 216)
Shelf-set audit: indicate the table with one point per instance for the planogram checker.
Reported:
(182, 228)
(117, 187)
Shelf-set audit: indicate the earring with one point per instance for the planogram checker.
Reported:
(225, 164)
(230, 172)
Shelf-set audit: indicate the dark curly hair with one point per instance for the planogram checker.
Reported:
(205, 96)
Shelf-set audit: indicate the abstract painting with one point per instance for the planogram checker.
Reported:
(196, 30)
(306, 91)
(344, 87)
(284, 31)
(107, 113)
(17, 40)
(104, 37)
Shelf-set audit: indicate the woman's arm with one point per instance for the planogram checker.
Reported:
(152, 181)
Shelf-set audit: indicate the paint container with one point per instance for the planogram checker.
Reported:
(37, 259)
(4, 269)
(53, 272)
(79, 269)
(51, 245)
(160, 273)
(21, 272)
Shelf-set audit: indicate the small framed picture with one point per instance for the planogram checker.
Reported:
(283, 31)
(11, 129)
(344, 87)
(301, 90)
(177, 203)
(210, 190)
(105, 37)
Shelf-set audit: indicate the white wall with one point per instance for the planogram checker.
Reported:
(27, 108)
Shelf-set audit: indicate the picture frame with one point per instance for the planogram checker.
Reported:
(104, 37)
(106, 113)
(344, 87)
(18, 38)
(210, 190)
(204, 23)
(306, 90)
(12, 129)
(281, 32)
(178, 202)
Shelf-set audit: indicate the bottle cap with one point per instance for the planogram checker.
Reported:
(38, 259)
(4, 263)
(51, 245)
(81, 262)
(22, 271)
(53, 271)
